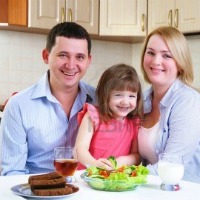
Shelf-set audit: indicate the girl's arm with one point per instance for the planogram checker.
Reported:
(133, 158)
(82, 145)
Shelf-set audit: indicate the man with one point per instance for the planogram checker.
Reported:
(44, 116)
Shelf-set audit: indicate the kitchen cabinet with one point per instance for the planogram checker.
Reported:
(18, 12)
(4, 12)
(123, 17)
(182, 14)
(14, 12)
(44, 14)
(99, 17)
(85, 13)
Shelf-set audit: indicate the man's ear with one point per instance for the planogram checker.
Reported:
(45, 56)
(89, 60)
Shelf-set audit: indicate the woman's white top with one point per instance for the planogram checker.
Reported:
(146, 141)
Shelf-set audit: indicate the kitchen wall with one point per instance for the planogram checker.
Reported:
(21, 62)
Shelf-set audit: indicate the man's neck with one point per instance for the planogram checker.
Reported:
(66, 98)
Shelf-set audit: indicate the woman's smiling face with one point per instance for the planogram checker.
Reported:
(159, 63)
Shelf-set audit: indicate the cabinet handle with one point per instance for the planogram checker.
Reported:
(143, 22)
(176, 18)
(170, 18)
(70, 15)
(62, 15)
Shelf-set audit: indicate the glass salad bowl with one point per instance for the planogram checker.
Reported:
(124, 178)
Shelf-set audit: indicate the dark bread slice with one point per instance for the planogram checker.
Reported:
(51, 183)
(47, 176)
(53, 192)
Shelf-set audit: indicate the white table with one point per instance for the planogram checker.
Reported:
(150, 191)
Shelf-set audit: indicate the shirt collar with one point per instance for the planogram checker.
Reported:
(177, 84)
(86, 93)
(42, 89)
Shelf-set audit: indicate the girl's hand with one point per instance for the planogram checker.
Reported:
(104, 164)
(120, 161)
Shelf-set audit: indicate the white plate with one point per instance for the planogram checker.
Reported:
(25, 191)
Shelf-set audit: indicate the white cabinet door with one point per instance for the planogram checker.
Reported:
(160, 13)
(45, 14)
(123, 17)
(85, 13)
(182, 14)
(187, 15)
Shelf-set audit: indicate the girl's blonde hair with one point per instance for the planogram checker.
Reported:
(179, 49)
(118, 77)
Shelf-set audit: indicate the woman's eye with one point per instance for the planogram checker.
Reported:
(167, 56)
(150, 53)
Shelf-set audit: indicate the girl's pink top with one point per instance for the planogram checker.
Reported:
(112, 139)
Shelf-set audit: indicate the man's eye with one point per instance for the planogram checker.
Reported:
(62, 55)
(80, 57)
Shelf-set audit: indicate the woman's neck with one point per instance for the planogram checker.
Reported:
(158, 93)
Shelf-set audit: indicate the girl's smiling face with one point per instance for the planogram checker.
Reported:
(121, 103)
(159, 63)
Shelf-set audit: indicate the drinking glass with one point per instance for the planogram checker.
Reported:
(65, 162)
(170, 170)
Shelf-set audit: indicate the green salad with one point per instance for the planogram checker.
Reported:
(120, 179)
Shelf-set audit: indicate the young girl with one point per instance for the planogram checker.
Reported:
(111, 128)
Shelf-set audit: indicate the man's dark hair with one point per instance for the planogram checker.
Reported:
(69, 30)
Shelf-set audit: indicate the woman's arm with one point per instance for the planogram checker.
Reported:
(181, 131)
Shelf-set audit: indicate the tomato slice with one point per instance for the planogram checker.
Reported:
(121, 169)
(134, 173)
(104, 173)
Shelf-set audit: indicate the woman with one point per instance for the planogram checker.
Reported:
(171, 105)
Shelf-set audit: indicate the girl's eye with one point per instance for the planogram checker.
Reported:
(117, 95)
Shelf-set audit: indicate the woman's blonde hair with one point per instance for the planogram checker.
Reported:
(179, 49)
